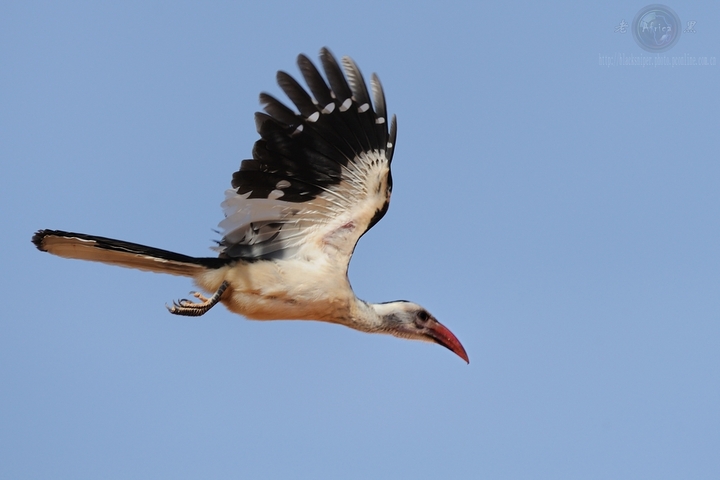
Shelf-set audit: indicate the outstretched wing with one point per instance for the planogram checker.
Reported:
(318, 179)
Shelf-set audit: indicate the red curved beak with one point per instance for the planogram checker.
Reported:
(440, 334)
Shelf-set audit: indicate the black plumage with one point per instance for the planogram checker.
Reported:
(309, 149)
(307, 153)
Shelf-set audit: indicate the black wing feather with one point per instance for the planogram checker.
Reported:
(381, 127)
(335, 76)
(366, 114)
(297, 94)
(300, 156)
(315, 82)
(390, 150)
(277, 110)
(379, 99)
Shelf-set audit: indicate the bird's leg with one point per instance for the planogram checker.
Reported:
(192, 309)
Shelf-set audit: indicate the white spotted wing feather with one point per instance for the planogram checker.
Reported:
(318, 180)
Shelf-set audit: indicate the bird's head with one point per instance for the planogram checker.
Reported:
(410, 320)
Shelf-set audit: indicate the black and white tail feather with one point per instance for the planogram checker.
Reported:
(317, 181)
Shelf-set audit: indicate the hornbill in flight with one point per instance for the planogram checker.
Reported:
(317, 181)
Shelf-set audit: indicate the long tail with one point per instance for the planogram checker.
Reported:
(123, 254)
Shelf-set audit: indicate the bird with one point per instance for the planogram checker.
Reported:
(319, 178)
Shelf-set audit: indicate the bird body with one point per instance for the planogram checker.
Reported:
(318, 180)
(302, 289)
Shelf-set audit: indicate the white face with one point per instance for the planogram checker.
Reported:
(406, 320)
(410, 320)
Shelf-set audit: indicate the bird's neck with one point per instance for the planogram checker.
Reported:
(365, 317)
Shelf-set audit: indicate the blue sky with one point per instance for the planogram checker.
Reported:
(559, 215)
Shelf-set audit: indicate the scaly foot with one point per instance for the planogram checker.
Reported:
(189, 308)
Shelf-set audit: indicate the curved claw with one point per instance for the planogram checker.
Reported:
(194, 309)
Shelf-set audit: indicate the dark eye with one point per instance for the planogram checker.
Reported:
(423, 316)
